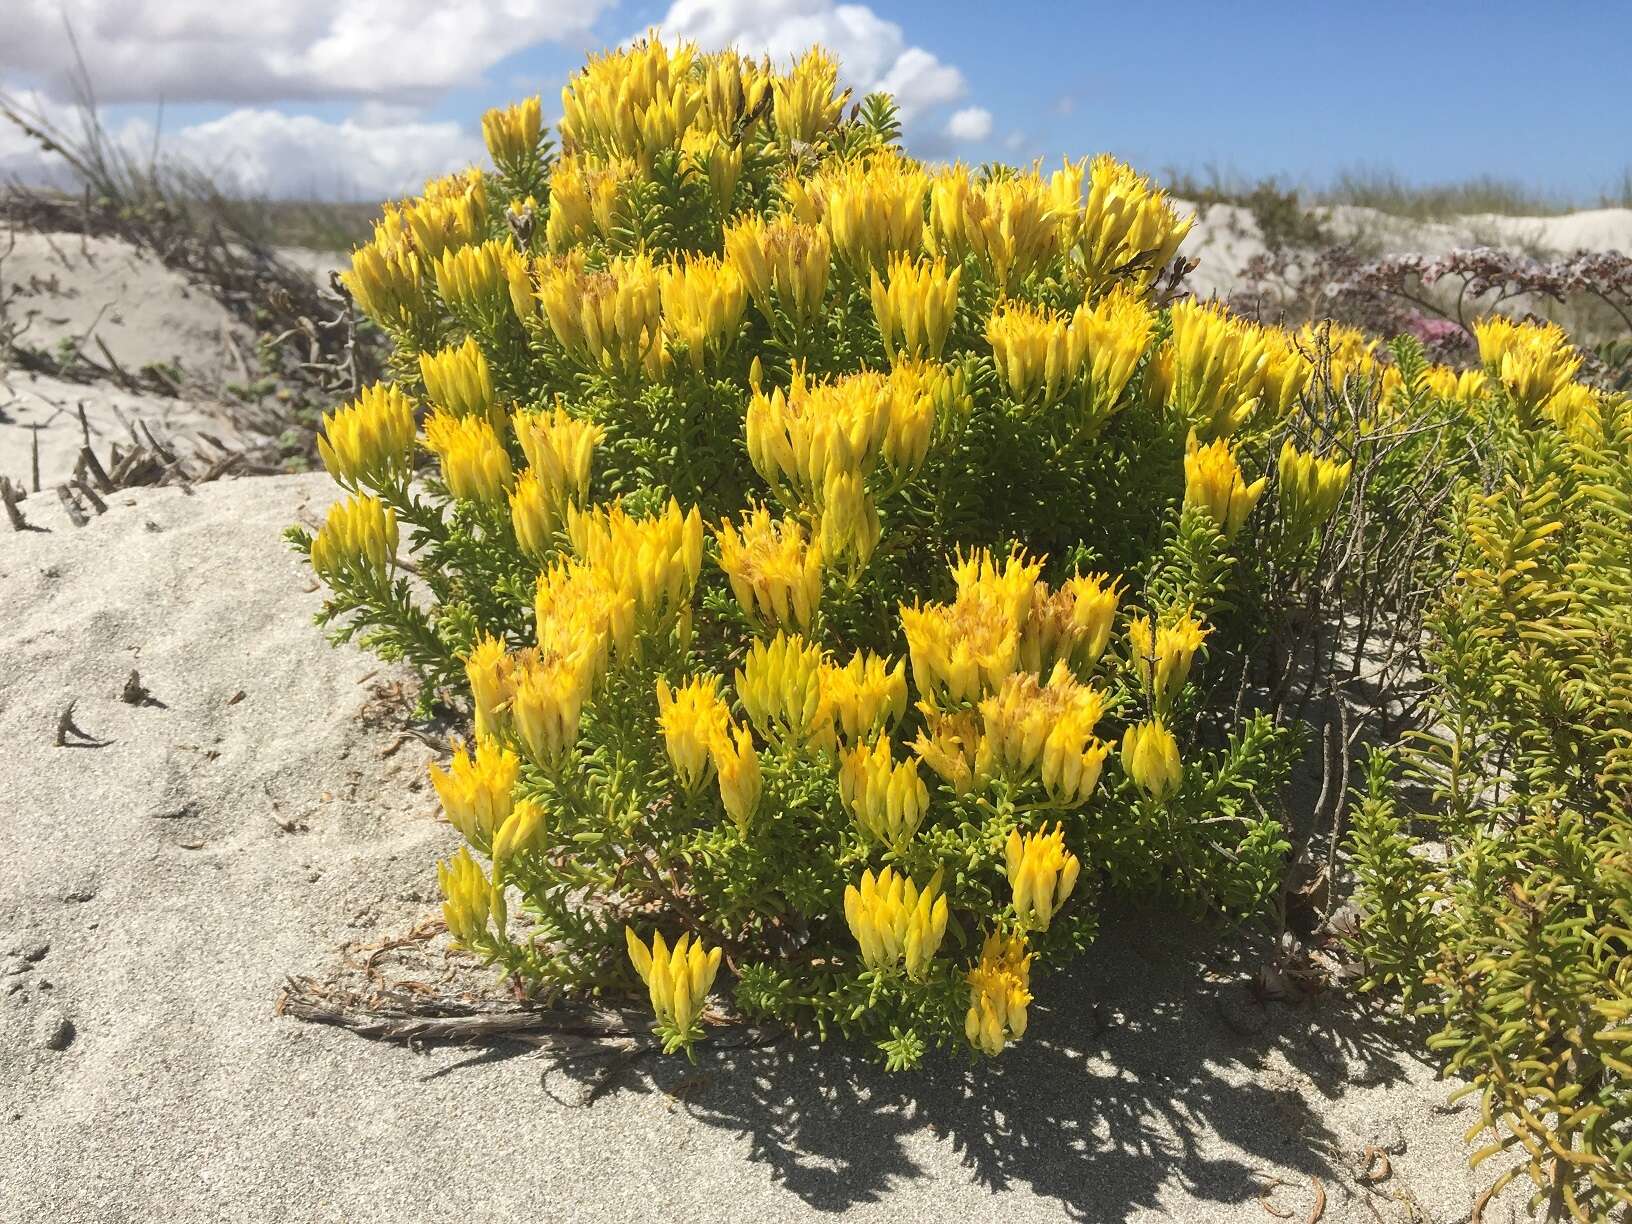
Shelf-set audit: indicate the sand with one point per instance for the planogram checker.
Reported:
(266, 811)
(1227, 237)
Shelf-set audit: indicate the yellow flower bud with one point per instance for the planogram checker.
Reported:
(357, 543)
(894, 922)
(799, 439)
(585, 199)
(1310, 490)
(535, 515)
(476, 791)
(677, 980)
(475, 465)
(1217, 365)
(388, 282)
(485, 284)
(737, 764)
(471, 902)
(1161, 657)
(1150, 756)
(999, 993)
(914, 305)
(1042, 873)
(692, 718)
(775, 571)
(1213, 483)
(488, 671)
(887, 800)
(521, 832)
(963, 650)
(370, 440)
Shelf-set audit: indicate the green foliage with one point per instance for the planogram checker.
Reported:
(1517, 936)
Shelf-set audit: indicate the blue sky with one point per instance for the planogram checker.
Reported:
(1535, 93)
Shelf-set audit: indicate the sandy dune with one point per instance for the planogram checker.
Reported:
(265, 812)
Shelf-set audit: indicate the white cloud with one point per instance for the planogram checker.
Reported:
(874, 53)
(258, 152)
(266, 50)
(969, 124)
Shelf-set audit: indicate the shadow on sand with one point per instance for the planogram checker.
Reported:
(1149, 1064)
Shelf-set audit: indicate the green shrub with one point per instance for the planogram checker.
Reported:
(1518, 936)
(832, 550)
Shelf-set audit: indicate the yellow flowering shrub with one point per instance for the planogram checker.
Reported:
(847, 565)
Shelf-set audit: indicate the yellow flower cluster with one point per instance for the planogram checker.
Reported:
(635, 102)
(1161, 656)
(806, 103)
(559, 449)
(475, 465)
(1348, 354)
(388, 275)
(894, 922)
(1046, 730)
(1578, 410)
(486, 283)
(703, 300)
(677, 980)
(1042, 874)
(817, 444)
(1221, 370)
(1125, 232)
(1008, 222)
(470, 901)
(999, 992)
(1310, 489)
(964, 649)
(701, 740)
(735, 90)
(888, 800)
(780, 688)
(512, 133)
(584, 198)
(458, 380)
(872, 208)
(1071, 625)
(370, 441)
(864, 696)
(610, 319)
(357, 542)
(1458, 386)
(655, 560)
(914, 304)
(1532, 362)
(476, 790)
(955, 747)
(523, 830)
(1150, 756)
(784, 262)
(1213, 483)
(775, 570)
(1040, 354)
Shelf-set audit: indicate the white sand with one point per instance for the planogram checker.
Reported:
(1226, 237)
(154, 901)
